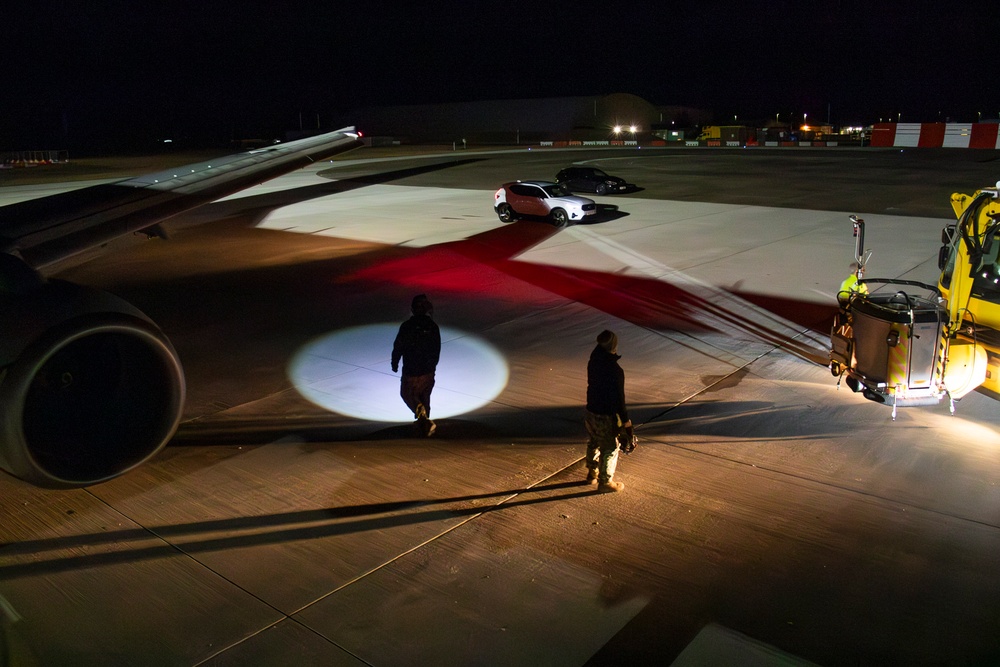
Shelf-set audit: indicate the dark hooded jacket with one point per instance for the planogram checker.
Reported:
(606, 384)
(418, 343)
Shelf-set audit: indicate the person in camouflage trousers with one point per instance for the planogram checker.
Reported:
(606, 416)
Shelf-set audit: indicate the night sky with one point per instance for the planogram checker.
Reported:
(110, 74)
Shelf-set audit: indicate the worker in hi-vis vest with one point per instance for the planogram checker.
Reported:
(851, 283)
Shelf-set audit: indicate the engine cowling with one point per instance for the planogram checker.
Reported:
(89, 386)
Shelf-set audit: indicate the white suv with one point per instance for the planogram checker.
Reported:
(543, 199)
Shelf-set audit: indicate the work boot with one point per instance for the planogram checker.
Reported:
(610, 486)
(592, 476)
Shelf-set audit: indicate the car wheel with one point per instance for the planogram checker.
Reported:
(602, 189)
(560, 218)
(505, 213)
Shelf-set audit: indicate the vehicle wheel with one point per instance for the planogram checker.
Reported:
(602, 189)
(560, 218)
(505, 213)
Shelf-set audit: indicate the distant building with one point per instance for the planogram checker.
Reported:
(520, 121)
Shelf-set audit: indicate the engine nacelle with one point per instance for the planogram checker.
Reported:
(89, 386)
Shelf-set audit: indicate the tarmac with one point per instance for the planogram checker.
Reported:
(768, 517)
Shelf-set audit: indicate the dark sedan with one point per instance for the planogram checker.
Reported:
(591, 179)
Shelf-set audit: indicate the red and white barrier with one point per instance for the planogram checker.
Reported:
(936, 135)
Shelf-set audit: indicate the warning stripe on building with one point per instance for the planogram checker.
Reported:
(936, 135)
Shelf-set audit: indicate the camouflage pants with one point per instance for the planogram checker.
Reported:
(415, 390)
(602, 448)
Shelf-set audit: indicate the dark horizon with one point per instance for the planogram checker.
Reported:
(118, 76)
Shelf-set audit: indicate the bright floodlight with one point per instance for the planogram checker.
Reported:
(348, 372)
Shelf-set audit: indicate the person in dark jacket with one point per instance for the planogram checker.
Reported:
(606, 416)
(418, 344)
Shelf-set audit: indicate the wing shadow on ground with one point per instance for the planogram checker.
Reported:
(660, 304)
(657, 304)
(456, 269)
(257, 206)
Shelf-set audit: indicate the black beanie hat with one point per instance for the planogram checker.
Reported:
(608, 340)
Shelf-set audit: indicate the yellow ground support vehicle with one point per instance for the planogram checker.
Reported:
(905, 343)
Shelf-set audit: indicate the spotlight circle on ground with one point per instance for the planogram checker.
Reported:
(348, 372)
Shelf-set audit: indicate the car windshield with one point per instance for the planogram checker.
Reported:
(597, 173)
(555, 190)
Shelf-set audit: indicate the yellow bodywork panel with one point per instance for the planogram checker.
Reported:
(960, 202)
(966, 369)
(992, 382)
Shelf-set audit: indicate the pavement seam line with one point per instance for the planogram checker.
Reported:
(218, 574)
(424, 543)
(291, 616)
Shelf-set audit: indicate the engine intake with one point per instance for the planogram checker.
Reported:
(89, 386)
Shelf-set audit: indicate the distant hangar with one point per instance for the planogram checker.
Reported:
(522, 121)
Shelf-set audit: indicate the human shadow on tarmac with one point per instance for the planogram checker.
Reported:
(277, 528)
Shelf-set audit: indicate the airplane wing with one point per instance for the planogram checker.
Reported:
(50, 229)
(90, 387)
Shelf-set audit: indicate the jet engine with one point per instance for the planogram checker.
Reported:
(89, 386)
